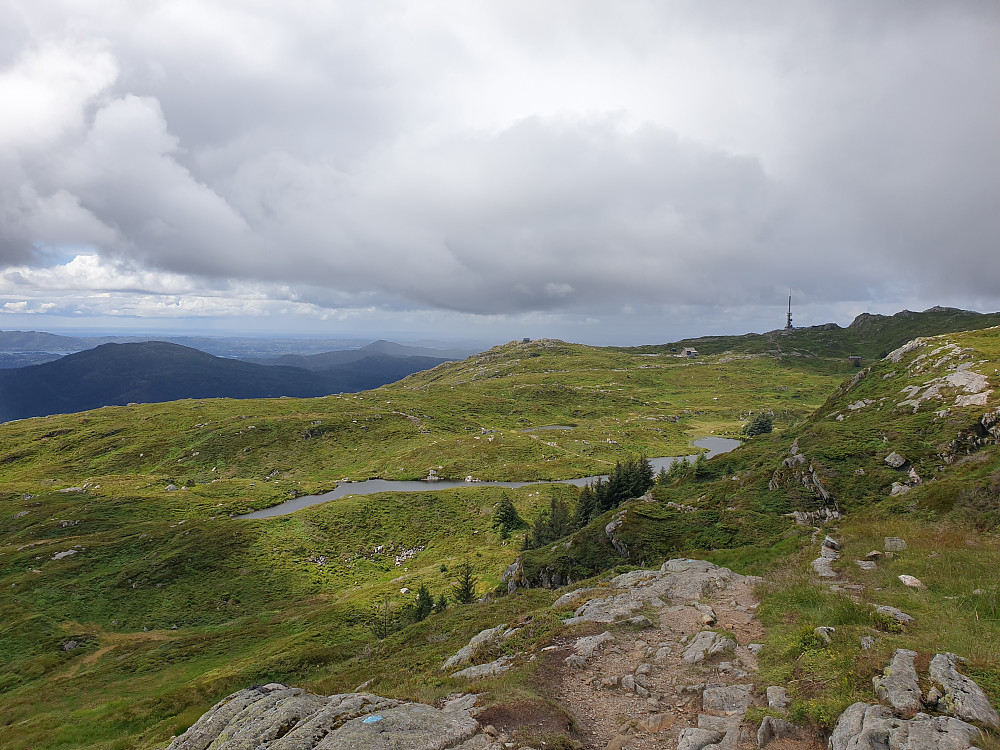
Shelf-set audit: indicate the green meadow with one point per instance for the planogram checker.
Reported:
(172, 603)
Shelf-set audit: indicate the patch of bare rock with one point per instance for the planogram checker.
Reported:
(279, 717)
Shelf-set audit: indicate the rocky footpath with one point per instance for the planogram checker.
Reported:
(670, 663)
(662, 658)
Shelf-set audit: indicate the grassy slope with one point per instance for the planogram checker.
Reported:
(249, 606)
(433, 419)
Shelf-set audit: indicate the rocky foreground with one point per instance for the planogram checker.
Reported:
(657, 659)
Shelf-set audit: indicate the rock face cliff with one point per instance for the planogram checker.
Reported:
(279, 717)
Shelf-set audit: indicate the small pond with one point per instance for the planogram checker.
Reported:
(715, 446)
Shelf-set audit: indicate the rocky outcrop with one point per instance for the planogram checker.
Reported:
(822, 565)
(896, 355)
(777, 697)
(513, 575)
(611, 528)
(696, 738)
(682, 579)
(986, 431)
(899, 684)
(279, 717)
(961, 695)
(814, 517)
(867, 727)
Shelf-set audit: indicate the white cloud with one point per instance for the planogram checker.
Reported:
(497, 160)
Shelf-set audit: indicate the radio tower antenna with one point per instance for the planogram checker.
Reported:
(788, 324)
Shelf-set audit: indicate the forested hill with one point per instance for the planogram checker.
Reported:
(119, 374)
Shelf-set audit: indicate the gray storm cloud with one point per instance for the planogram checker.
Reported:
(503, 158)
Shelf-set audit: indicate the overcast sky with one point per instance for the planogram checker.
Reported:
(607, 172)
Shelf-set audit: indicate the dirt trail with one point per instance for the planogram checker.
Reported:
(614, 716)
(109, 641)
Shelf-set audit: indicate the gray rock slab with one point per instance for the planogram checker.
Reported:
(899, 683)
(692, 579)
(962, 696)
(727, 699)
(570, 597)
(695, 738)
(728, 726)
(266, 721)
(822, 567)
(461, 702)
(278, 717)
(893, 544)
(867, 727)
(310, 733)
(705, 644)
(682, 579)
(480, 671)
(589, 645)
(204, 731)
(410, 726)
(777, 697)
(895, 460)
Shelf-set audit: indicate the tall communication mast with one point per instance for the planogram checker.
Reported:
(788, 324)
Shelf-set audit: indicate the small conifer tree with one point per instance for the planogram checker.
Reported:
(465, 588)
(424, 603)
(506, 519)
(759, 425)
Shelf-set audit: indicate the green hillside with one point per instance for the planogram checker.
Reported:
(870, 336)
(170, 603)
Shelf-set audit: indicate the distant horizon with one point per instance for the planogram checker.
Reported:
(419, 338)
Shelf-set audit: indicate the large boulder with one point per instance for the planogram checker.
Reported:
(279, 717)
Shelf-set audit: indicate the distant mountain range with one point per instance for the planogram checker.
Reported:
(118, 374)
(379, 350)
(20, 348)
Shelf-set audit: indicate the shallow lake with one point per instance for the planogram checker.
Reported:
(715, 446)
